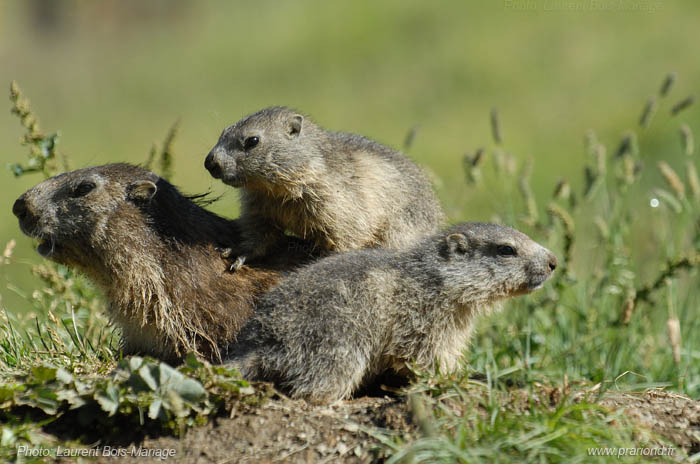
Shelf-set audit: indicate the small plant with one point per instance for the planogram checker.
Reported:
(43, 153)
(140, 392)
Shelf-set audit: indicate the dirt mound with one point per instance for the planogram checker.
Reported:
(673, 416)
(283, 430)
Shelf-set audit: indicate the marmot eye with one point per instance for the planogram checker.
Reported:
(506, 250)
(83, 189)
(250, 142)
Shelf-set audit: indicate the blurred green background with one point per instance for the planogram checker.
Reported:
(113, 76)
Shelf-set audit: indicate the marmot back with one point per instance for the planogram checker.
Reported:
(153, 252)
(342, 191)
(376, 310)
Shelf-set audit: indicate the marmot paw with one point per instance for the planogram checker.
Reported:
(237, 264)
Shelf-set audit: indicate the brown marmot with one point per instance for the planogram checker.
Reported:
(376, 310)
(342, 191)
(153, 252)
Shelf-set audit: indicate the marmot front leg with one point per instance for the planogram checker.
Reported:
(259, 236)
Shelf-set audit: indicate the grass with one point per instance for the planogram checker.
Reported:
(472, 423)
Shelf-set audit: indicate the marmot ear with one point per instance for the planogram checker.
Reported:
(457, 244)
(294, 125)
(141, 190)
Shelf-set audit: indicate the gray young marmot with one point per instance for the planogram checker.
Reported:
(376, 310)
(154, 253)
(341, 191)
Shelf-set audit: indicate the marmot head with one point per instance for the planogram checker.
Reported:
(272, 145)
(488, 262)
(72, 213)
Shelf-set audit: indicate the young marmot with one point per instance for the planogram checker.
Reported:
(376, 310)
(153, 252)
(341, 191)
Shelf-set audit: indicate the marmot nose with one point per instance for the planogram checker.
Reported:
(212, 166)
(19, 209)
(552, 262)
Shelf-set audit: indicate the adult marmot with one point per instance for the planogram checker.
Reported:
(154, 253)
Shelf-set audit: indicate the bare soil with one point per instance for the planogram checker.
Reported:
(284, 430)
(673, 416)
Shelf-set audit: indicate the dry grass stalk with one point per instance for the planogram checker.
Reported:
(628, 144)
(474, 159)
(674, 335)
(165, 158)
(7, 254)
(471, 165)
(526, 192)
(557, 212)
(627, 310)
(590, 141)
(683, 104)
(496, 127)
(667, 84)
(687, 140)
(672, 179)
(602, 227)
(504, 162)
(166, 154)
(410, 138)
(630, 169)
(693, 180)
(151, 157)
(600, 156)
(648, 112)
(562, 190)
